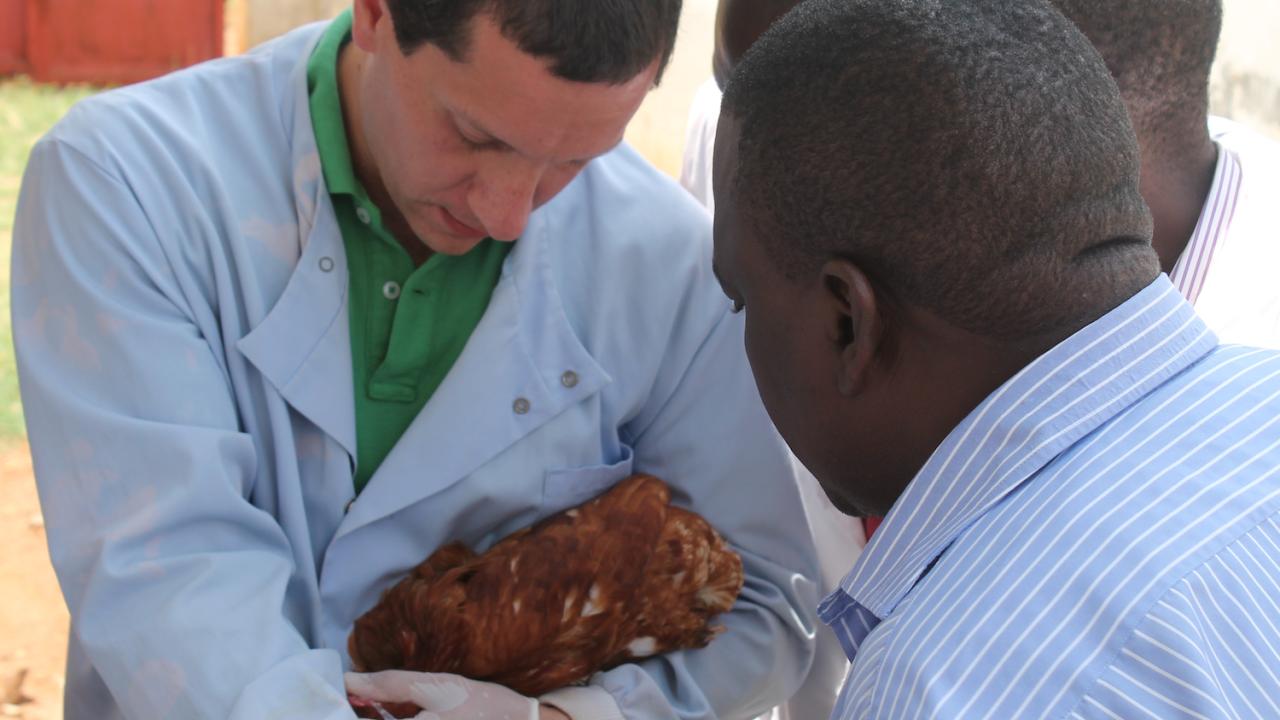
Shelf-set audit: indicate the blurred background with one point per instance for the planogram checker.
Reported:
(54, 52)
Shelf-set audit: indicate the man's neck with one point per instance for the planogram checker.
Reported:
(940, 374)
(350, 66)
(1175, 186)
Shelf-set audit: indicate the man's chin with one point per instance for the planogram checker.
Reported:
(449, 246)
(853, 507)
(444, 243)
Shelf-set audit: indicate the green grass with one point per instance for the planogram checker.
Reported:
(27, 111)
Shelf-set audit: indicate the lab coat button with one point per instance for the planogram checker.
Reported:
(521, 406)
(391, 290)
(363, 215)
(326, 264)
(569, 379)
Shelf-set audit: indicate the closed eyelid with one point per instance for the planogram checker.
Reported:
(476, 136)
(481, 141)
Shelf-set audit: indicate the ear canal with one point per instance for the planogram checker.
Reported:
(843, 335)
(853, 324)
(848, 383)
(844, 331)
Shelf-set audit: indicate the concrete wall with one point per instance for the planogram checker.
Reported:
(658, 129)
(265, 19)
(1245, 83)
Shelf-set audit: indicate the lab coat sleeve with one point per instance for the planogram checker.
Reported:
(707, 433)
(174, 581)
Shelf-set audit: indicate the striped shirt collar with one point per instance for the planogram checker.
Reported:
(1043, 410)
(1211, 231)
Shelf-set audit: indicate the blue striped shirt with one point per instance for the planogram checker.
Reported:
(1100, 538)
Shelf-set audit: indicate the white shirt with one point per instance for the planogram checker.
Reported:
(700, 142)
(838, 537)
(1229, 267)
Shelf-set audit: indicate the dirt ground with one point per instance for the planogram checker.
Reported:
(33, 617)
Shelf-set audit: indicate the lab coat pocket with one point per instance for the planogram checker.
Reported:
(573, 486)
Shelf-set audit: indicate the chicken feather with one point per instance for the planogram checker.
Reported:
(622, 577)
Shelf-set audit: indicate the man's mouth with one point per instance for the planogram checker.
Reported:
(458, 227)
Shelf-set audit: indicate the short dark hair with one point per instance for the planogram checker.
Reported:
(972, 157)
(607, 41)
(1160, 52)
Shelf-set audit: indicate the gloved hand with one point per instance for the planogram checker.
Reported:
(442, 696)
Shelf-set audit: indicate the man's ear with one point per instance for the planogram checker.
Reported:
(365, 16)
(855, 329)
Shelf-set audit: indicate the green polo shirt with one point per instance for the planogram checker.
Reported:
(408, 324)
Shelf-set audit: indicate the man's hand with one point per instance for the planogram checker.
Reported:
(448, 697)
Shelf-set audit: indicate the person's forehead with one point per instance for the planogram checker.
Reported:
(725, 220)
(724, 159)
(516, 98)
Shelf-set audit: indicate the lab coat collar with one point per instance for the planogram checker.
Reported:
(302, 346)
(523, 366)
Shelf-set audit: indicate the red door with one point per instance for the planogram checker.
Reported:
(119, 41)
(12, 33)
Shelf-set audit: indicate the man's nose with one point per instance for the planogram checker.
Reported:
(502, 198)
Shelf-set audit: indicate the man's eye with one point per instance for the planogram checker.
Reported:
(476, 143)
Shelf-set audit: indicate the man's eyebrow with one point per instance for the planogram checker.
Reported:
(493, 138)
(458, 115)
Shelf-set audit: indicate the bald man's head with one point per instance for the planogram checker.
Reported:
(1160, 53)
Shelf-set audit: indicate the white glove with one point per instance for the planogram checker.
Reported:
(442, 696)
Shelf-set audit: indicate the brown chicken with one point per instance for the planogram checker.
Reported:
(621, 577)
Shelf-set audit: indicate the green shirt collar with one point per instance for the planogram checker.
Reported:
(326, 109)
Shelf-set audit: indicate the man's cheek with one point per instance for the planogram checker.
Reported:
(765, 373)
